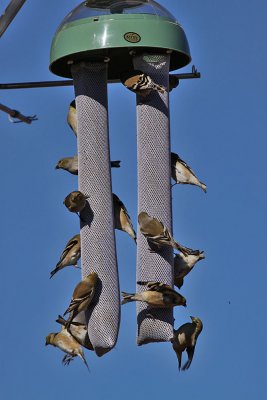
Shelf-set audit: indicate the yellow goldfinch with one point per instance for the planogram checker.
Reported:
(158, 295)
(182, 173)
(81, 297)
(70, 164)
(185, 338)
(140, 83)
(72, 117)
(183, 265)
(75, 201)
(157, 234)
(122, 219)
(66, 342)
(79, 331)
(70, 255)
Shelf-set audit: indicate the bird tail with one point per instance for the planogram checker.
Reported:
(203, 187)
(52, 273)
(60, 320)
(84, 360)
(127, 297)
(115, 164)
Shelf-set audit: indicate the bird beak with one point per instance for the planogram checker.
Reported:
(46, 343)
(57, 167)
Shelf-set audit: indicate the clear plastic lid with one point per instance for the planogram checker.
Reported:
(94, 8)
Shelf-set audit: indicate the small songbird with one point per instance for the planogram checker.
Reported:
(72, 117)
(185, 338)
(81, 297)
(140, 83)
(157, 234)
(173, 82)
(66, 342)
(75, 201)
(182, 173)
(70, 255)
(79, 331)
(70, 164)
(183, 265)
(122, 219)
(157, 295)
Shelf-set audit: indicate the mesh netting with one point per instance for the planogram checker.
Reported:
(98, 251)
(154, 194)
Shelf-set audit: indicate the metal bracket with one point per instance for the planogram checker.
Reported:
(69, 82)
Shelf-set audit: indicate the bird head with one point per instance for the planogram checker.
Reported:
(142, 216)
(50, 338)
(92, 277)
(73, 104)
(60, 164)
(197, 321)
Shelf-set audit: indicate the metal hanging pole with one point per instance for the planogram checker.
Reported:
(9, 14)
(98, 250)
(154, 194)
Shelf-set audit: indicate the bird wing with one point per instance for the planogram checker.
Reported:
(71, 243)
(178, 159)
(190, 352)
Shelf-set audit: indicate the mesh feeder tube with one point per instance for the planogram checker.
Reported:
(98, 248)
(154, 194)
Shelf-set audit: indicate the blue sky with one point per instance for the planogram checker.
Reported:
(218, 125)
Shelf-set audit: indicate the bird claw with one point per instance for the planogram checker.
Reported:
(67, 359)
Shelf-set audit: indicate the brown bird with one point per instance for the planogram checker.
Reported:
(140, 83)
(182, 173)
(70, 255)
(70, 164)
(157, 234)
(79, 331)
(183, 265)
(122, 219)
(72, 117)
(75, 201)
(185, 338)
(158, 295)
(81, 297)
(66, 342)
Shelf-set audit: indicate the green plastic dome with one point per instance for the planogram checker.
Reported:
(111, 30)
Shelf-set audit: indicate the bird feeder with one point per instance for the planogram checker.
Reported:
(94, 44)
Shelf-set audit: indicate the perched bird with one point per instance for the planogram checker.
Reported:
(70, 164)
(79, 331)
(157, 295)
(72, 117)
(173, 82)
(75, 201)
(70, 255)
(183, 265)
(157, 234)
(66, 342)
(182, 173)
(81, 297)
(185, 338)
(122, 219)
(140, 83)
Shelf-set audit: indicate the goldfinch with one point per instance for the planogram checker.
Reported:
(72, 117)
(75, 201)
(70, 255)
(157, 295)
(157, 234)
(81, 297)
(183, 265)
(70, 164)
(66, 342)
(79, 331)
(122, 219)
(140, 83)
(182, 173)
(185, 338)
